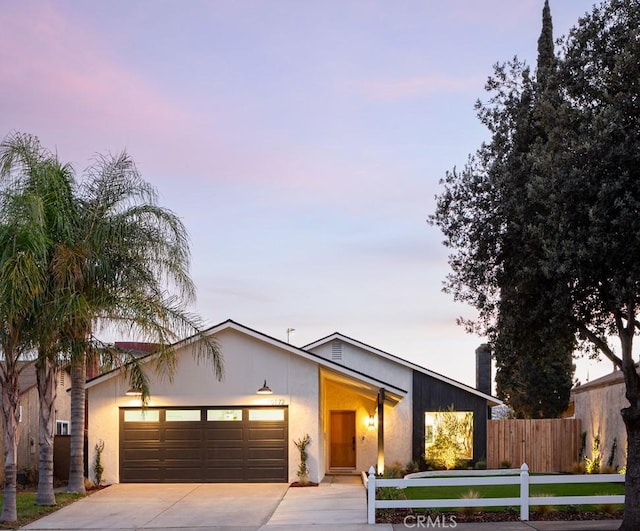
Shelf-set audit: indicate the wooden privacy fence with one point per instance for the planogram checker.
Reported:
(546, 445)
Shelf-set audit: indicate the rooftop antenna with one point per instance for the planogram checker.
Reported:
(289, 330)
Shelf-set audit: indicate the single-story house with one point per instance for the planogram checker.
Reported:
(597, 404)
(359, 405)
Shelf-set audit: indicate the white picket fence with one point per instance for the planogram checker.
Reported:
(489, 477)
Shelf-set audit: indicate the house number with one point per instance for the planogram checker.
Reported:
(277, 402)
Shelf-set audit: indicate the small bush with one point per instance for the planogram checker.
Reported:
(411, 467)
(573, 509)
(577, 467)
(480, 465)
(505, 464)
(543, 509)
(393, 471)
(607, 508)
(606, 469)
(469, 495)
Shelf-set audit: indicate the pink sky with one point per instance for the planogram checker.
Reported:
(301, 142)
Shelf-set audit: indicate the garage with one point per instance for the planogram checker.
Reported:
(204, 444)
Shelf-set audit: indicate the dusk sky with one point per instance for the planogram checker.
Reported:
(301, 142)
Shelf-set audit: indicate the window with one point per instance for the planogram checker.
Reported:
(182, 415)
(62, 427)
(448, 436)
(140, 415)
(224, 414)
(266, 414)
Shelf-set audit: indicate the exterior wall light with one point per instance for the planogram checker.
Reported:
(265, 389)
(371, 422)
(134, 392)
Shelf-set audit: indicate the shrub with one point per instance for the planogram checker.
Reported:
(543, 509)
(592, 465)
(505, 464)
(393, 471)
(607, 508)
(480, 465)
(411, 467)
(303, 469)
(469, 495)
(606, 469)
(577, 467)
(98, 468)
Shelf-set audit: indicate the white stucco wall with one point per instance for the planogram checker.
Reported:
(599, 410)
(247, 362)
(398, 420)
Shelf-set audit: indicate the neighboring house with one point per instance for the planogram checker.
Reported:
(29, 415)
(361, 407)
(597, 404)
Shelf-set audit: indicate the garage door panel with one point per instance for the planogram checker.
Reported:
(266, 434)
(141, 434)
(225, 434)
(278, 453)
(141, 454)
(182, 434)
(245, 449)
(224, 453)
(141, 475)
(183, 453)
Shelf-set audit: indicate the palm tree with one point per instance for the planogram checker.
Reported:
(128, 267)
(106, 255)
(23, 250)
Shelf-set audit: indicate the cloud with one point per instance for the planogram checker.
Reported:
(58, 72)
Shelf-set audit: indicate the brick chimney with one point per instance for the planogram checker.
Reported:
(483, 369)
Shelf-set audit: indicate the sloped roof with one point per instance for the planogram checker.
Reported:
(233, 325)
(338, 336)
(612, 378)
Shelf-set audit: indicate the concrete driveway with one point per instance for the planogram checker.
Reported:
(245, 507)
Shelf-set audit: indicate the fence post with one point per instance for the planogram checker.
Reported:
(524, 492)
(371, 496)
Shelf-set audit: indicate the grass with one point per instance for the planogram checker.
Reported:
(513, 491)
(28, 511)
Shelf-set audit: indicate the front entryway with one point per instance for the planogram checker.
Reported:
(203, 444)
(342, 436)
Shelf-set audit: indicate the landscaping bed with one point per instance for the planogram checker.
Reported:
(397, 516)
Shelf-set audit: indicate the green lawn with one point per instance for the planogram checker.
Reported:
(28, 511)
(511, 491)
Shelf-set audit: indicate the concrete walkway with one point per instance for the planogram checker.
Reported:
(338, 503)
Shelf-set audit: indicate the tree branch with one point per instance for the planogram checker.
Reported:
(600, 344)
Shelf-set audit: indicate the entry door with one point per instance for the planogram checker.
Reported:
(342, 433)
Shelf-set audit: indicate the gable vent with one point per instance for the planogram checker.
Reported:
(336, 350)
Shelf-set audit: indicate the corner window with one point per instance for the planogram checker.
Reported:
(62, 427)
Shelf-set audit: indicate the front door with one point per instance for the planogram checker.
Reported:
(342, 434)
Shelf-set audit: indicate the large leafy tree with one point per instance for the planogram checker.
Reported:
(498, 227)
(584, 182)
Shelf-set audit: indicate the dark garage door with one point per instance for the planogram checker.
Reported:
(203, 444)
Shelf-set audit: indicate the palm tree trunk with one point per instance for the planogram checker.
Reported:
(10, 414)
(78, 392)
(47, 392)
